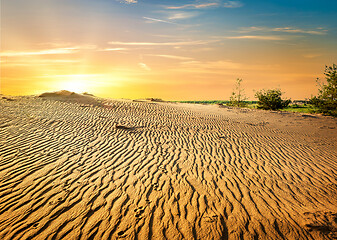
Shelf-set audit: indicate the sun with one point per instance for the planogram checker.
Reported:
(75, 83)
(75, 86)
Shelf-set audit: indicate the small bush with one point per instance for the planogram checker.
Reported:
(326, 101)
(271, 99)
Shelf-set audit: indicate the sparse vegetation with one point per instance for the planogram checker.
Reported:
(271, 99)
(238, 96)
(304, 108)
(223, 102)
(326, 101)
(155, 99)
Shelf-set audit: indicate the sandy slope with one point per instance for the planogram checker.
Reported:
(144, 170)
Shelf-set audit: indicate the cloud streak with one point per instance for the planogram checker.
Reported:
(233, 4)
(114, 49)
(186, 43)
(52, 51)
(40, 52)
(294, 30)
(181, 15)
(144, 66)
(129, 1)
(274, 38)
(196, 6)
(159, 20)
(43, 62)
(318, 31)
(170, 56)
(227, 4)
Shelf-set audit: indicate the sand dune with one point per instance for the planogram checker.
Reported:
(147, 170)
(66, 96)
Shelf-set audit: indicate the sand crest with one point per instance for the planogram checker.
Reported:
(116, 169)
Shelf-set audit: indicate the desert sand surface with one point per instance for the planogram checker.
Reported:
(80, 167)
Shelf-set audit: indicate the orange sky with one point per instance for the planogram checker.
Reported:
(151, 49)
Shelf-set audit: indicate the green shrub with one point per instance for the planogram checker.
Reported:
(326, 101)
(271, 99)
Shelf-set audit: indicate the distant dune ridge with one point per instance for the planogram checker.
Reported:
(74, 166)
(62, 93)
(68, 96)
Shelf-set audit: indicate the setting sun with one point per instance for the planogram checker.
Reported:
(74, 83)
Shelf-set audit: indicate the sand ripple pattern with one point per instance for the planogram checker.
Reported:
(166, 171)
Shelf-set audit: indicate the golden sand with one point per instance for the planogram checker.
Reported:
(86, 168)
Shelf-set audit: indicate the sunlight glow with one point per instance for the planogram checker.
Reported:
(75, 83)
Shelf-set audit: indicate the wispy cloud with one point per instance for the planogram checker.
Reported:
(172, 16)
(188, 43)
(226, 4)
(53, 51)
(294, 30)
(233, 4)
(144, 66)
(113, 49)
(196, 6)
(170, 56)
(43, 62)
(274, 38)
(129, 1)
(181, 15)
(40, 52)
(251, 29)
(317, 31)
(158, 20)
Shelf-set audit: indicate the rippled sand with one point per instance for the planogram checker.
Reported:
(108, 169)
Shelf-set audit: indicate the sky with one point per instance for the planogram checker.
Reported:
(168, 49)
